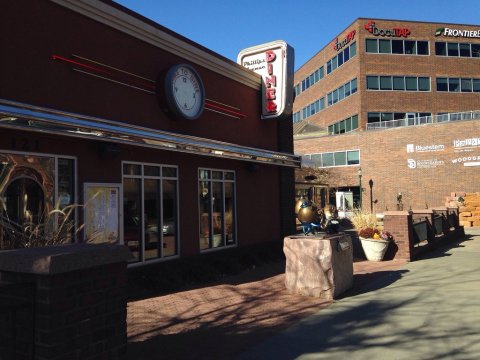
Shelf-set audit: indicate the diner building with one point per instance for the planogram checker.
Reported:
(395, 102)
(155, 141)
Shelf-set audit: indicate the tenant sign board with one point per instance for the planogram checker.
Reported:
(449, 32)
(274, 62)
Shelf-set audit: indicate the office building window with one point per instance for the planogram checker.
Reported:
(342, 92)
(458, 85)
(398, 83)
(342, 57)
(344, 126)
(402, 47)
(337, 158)
(457, 49)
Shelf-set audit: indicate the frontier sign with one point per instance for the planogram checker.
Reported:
(274, 62)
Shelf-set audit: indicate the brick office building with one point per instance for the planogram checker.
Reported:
(411, 81)
(90, 115)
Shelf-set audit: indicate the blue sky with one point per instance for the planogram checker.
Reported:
(228, 26)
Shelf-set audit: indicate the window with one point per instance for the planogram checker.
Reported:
(466, 85)
(373, 117)
(150, 209)
(397, 47)
(387, 46)
(454, 85)
(217, 214)
(353, 86)
(476, 85)
(347, 89)
(476, 50)
(327, 159)
(338, 158)
(341, 58)
(353, 157)
(353, 50)
(422, 48)
(423, 84)
(410, 47)
(458, 85)
(441, 48)
(346, 125)
(384, 47)
(399, 83)
(452, 49)
(371, 45)
(342, 92)
(465, 50)
(442, 84)
(385, 83)
(372, 83)
(410, 83)
(33, 184)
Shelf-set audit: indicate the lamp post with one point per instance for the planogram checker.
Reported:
(370, 183)
(360, 185)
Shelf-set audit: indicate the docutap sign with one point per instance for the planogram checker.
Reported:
(274, 62)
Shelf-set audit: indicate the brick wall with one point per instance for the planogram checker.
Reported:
(399, 224)
(80, 299)
(364, 64)
(384, 159)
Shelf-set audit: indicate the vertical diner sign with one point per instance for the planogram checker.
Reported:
(274, 62)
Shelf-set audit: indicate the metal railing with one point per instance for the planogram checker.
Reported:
(423, 120)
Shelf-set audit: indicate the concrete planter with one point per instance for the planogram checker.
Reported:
(374, 249)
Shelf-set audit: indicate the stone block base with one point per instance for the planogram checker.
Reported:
(319, 266)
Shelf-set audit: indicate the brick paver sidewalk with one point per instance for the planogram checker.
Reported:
(221, 320)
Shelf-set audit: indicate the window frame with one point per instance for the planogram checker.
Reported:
(235, 211)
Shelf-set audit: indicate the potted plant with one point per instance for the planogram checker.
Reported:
(374, 242)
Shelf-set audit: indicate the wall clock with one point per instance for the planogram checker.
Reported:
(184, 92)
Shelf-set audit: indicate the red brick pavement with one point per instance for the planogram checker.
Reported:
(224, 319)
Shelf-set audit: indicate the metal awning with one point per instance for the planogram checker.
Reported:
(20, 116)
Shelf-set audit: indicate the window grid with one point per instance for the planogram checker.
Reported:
(342, 57)
(451, 84)
(167, 242)
(398, 83)
(454, 49)
(344, 126)
(335, 159)
(397, 47)
(345, 91)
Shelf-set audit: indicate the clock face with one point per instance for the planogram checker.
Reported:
(185, 92)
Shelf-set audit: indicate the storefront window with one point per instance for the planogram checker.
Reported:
(31, 186)
(216, 208)
(150, 211)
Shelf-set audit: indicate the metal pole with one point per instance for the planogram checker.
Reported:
(360, 184)
(370, 183)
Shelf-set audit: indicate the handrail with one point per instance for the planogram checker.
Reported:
(424, 120)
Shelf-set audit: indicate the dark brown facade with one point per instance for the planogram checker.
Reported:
(83, 63)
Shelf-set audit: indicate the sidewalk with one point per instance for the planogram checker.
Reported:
(226, 319)
(430, 309)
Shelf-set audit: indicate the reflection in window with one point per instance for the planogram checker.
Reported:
(150, 211)
(31, 186)
(216, 191)
(338, 158)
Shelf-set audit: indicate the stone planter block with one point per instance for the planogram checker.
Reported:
(318, 266)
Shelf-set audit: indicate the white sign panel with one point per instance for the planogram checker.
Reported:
(274, 62)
